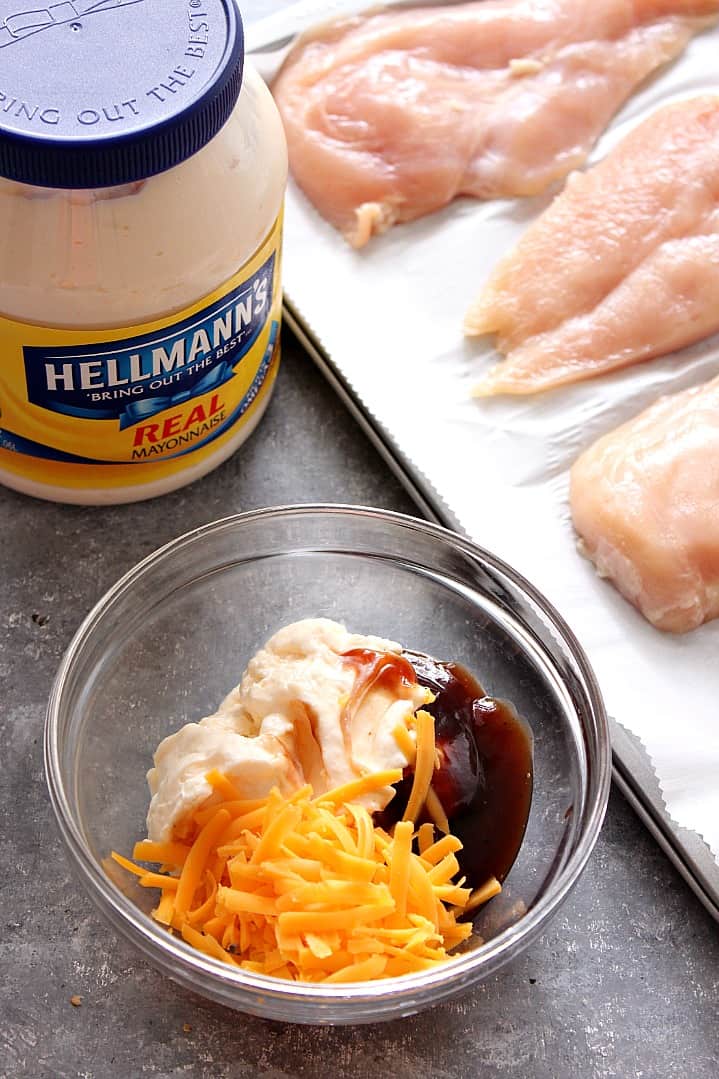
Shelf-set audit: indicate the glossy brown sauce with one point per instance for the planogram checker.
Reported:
(485, 779)
(373, 668)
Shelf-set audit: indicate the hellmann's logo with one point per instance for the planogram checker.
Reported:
(135, 379)
(23, 23)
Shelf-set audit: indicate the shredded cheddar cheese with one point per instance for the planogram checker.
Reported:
(436, 812)
(423, 765)
(308, 888)
(406, 743)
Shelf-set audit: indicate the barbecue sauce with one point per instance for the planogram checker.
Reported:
(484, 781)
(379, 668)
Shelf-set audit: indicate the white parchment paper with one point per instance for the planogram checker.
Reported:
(390, 317)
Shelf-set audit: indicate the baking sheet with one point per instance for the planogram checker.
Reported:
(632, 769)
(389, 320)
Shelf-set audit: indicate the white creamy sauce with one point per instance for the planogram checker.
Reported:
(282, 726)
(123, 255)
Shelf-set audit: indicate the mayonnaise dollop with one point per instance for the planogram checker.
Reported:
(287, 723)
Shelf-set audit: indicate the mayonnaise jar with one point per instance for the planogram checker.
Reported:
(142, 173)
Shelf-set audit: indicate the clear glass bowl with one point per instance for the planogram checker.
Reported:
(172, 637)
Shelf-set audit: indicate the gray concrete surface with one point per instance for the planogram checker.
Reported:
(624, 983)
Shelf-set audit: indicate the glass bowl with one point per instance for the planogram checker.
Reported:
(166, 644)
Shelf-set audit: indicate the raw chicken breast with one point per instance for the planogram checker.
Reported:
(390, 116)
(645, 501)
(622, 267)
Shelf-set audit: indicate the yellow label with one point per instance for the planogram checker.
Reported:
(113, 408)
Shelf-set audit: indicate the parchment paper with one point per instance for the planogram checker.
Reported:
(390, 317)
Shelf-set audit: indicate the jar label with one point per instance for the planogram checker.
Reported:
(130, 406)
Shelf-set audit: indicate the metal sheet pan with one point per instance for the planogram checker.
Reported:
(632, 771)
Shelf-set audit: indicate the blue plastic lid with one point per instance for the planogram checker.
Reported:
(95, 93)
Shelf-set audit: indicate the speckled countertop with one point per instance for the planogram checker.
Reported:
(624, 983)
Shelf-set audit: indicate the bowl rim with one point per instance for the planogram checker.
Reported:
(273, 997)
